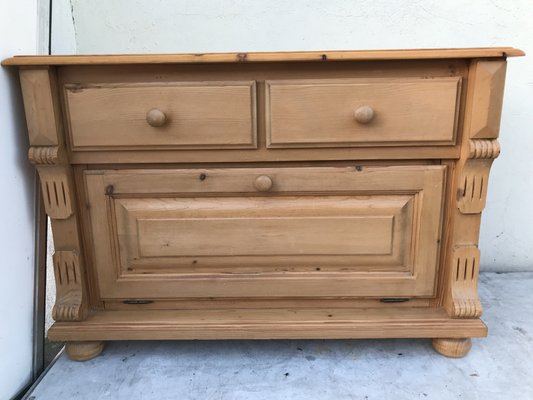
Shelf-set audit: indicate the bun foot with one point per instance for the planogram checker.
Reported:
(83, 351)
(455, 348)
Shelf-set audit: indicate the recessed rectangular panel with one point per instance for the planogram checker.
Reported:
(265, 236)
(191, 115)
(394, 112)
(262, 234)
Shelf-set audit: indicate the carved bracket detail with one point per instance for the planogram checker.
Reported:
(484, 149)
(47, 155)
(464, 277)
(57, 196)
(472, 190)
(69, 299)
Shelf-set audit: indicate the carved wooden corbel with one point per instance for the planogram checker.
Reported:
(472, 190)
(57, 192)
(55, 180)
(464, 300)
(70, 305)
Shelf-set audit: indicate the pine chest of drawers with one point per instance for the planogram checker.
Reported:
(265, 195)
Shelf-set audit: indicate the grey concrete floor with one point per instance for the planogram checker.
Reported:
(498, 367)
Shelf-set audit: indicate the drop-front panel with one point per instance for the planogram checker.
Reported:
(328, 231)
(265, 195)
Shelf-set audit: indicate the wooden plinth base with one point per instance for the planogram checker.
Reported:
(340, 323)
(455, 348)
(82, 351)
(451, 335)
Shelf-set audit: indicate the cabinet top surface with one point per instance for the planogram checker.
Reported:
(482, 52)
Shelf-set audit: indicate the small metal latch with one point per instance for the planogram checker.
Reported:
(109, 190)
(139, 301)
(394, 300)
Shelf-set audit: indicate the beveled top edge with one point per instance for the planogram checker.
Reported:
(481, 52)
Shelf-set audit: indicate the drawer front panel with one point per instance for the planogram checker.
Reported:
(165, 116)
(316, 232)
(391, 112)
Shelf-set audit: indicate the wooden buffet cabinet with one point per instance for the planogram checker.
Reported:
(265, 195)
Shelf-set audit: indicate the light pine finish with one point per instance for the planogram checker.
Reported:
(129, 116)
(359, 55)
(69, 288)
(156, 118)
(263, 183)
(83, 351)
(170, 74)
(393, 112)
(488, 82)
(364, 114)
(40, 103)
(237, 323)
(265, 195)
(47, 151)
(479, 149)
(453, 348)
(377, 245)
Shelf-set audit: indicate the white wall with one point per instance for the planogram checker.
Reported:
(18, 35)
(148, 26)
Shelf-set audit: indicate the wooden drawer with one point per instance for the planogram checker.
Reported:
(266, 232)
(361, 112)
(165, 116)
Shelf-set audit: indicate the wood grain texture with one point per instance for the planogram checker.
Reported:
(170, 74)
(56, 186)
(488, 84)
(470, 184)
(264, 303)
(472, 194)
(417, 54)
(42, 113)
(320, 113)
(197, 115)
(286, 231)
(69, 305)
(314, 323)
(48, 152)
(160, 234)
(465, 301)
(83, 351)
(247, 196)
(453, 348)
(400, 154)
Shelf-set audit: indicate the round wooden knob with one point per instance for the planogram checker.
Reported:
(364, 114)
(263, 183)
(156, 118)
